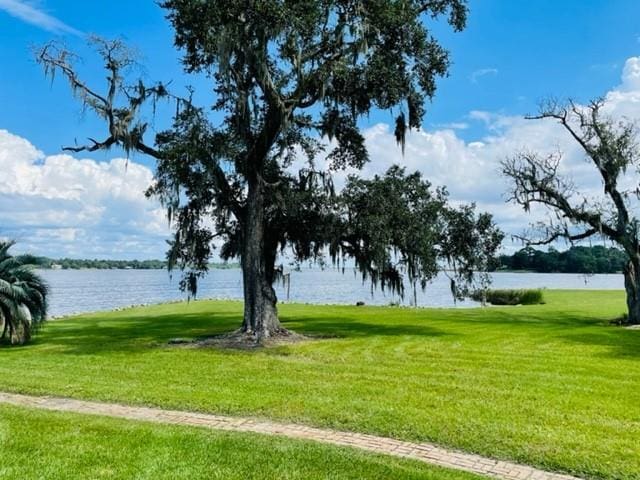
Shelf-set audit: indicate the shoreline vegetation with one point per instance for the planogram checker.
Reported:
(47, 263)
(577, 259)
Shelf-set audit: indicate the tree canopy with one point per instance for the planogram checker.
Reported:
(399, 230)
(252, 175)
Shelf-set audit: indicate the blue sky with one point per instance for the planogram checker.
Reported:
(511, 55)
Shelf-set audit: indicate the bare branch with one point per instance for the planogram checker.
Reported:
(124, 127)
(610, 147)
(556, 235)
(104, 145)
(52, 57)
(536, 181)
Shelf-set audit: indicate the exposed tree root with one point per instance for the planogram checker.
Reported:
(241, 340)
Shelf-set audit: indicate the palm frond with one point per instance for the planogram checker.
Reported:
(23, 296)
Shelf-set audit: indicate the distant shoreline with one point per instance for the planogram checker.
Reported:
(45, 263)
(230, 267)
(507, 270)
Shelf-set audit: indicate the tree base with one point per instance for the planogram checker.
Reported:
(242, 340)
(624, 321)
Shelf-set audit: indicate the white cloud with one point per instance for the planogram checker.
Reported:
(631, 74)
(471, 169)
(59, 205)
(482, 73)
(29, 13)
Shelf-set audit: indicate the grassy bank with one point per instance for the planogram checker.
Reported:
(43, 445)
(551, 385)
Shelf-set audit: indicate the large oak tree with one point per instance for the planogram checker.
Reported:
(288, 76)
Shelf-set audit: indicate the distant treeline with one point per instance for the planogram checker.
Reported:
(596, 259)
(76, 264)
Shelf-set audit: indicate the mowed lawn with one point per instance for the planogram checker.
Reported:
(53, 446)
(555, 386)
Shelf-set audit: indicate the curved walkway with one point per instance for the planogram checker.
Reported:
(424, 452)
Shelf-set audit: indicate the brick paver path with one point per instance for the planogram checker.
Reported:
(417, 451)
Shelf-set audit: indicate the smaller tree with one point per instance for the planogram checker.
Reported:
(23, 296)
(402, 233)
(574, 214)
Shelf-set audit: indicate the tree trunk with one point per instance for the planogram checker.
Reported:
(260, 312)
(632, 287)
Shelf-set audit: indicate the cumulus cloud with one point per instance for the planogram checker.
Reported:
(471, 169)
(60, 205)
(29, 13)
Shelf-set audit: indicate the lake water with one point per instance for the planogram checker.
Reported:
(79, 291)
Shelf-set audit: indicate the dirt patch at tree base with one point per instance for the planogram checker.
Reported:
(239, 340)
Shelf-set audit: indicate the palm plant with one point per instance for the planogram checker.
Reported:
(23, 296)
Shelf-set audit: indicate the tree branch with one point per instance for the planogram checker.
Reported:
(52, 62)
(106, 144)
(559, 234)
(593, 125)
(535, 178)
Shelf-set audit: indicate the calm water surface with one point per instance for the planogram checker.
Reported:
(79, 291)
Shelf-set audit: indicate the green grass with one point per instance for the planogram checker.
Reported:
(43, 445)
(551, 385)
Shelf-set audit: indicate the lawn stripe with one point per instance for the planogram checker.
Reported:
(424, 452)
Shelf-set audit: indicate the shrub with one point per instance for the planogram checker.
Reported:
(510, 296)
(23, 296)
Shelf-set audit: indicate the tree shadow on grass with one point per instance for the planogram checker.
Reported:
(130, 333)
(578, 327)
(537, 315)
(138, 333)
(618, 342)
(334, 328)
